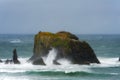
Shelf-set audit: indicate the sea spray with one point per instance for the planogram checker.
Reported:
(50, 57)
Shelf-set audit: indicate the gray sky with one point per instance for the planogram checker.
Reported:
(77, 16)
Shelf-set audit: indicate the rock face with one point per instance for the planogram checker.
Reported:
(15, 57)
(68, 46)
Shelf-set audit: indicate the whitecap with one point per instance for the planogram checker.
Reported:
(114, 73)
(15, 41)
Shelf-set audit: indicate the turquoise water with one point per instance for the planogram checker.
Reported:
(106, 47)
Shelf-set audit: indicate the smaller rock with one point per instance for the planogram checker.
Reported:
(1, 61)
(38, 62)
(15, 57)
(119, 59)
(55, 62)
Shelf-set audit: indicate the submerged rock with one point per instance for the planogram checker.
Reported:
(8, 61)
(15, 57)
(68, 46)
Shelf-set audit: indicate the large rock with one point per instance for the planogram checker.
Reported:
(68, 46)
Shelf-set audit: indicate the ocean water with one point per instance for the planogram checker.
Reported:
(106, 47)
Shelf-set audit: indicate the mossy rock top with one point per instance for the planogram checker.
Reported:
(55, 40)
(61, 34)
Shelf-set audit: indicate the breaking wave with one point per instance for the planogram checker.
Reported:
(65, 69)
(16, 41)
(25, 67)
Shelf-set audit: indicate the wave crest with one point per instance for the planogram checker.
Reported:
(16, 41)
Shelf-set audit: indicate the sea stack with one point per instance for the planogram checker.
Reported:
(68, 46)
(15, 57)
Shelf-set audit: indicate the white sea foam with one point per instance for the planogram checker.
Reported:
(24, 67)
(13, 78)
(11, 71)
(64, 62)
(15, 41)
(107, 62)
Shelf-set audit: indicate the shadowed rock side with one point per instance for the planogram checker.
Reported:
(68, 46)
(38, 61)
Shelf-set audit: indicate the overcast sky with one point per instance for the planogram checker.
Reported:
(76, 16)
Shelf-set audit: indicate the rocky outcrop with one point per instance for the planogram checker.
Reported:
(15, 57)
(68, 46)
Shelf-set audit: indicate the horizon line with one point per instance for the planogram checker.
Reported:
(70, 32)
